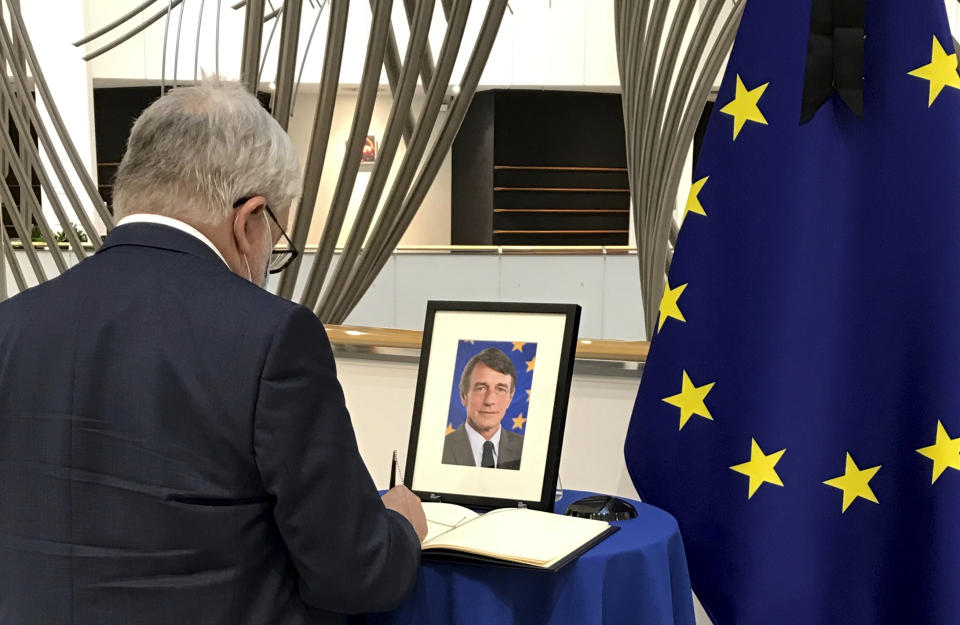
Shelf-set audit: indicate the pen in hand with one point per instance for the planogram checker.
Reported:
(393, 470)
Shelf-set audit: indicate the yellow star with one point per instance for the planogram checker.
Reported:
(528, 394)
(531, 363)
(941, 71)
(690, 400)
(668, 305)
(744, 108)
(945, 453)
(449, 429)
(518, 421)
(761, 467)
(693, 199)
(855, 482)
(517, 346)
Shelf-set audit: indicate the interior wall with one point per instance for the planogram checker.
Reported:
(431, 226)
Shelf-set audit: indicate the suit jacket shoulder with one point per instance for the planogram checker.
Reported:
(456, 448)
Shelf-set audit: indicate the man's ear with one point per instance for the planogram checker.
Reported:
(463, 399)
(242, 233)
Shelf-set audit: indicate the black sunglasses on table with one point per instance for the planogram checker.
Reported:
(279, 259)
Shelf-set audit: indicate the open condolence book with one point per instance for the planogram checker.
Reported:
(509, 536)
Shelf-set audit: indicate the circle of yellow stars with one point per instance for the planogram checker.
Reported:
(761, 468)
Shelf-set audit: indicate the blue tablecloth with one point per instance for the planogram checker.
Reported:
(636, 576)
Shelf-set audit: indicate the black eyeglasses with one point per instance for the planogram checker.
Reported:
(279, 259)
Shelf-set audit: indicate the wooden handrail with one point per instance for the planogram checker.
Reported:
(558, 168)
(506, 250)
(562, 189)
(587, 349)
(562, 210)
(560, 231)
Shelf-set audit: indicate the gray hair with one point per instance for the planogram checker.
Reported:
(197, 150)
(493, 358)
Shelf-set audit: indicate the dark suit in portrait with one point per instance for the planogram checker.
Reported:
(175, 448)
(456, 449)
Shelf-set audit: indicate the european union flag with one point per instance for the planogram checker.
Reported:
(800, 410)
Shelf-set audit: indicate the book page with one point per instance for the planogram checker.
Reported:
(443, 517)
(520, 535)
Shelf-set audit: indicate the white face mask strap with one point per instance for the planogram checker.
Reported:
(245, 261)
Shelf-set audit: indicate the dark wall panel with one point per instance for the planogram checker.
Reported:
(552, 152)
(559, 128)
(471, 190)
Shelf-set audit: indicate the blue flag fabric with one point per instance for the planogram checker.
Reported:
(800, 410)
(523, 355)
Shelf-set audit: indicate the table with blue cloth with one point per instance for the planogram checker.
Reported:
(636, 576)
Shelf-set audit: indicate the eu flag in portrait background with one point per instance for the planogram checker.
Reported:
(799, 413)
(524, 358)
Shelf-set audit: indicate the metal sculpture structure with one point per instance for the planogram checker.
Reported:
(375, 233)
(662, 104)
(22, 95)
(666, 77)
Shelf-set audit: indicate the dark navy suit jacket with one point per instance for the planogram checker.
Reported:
(175, 449)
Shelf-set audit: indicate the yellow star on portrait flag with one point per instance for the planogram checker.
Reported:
(693, 199)
(690, 400)
(743, 108)
(945, 453)
(760, 468)
(528, 394)
(855, 482)
(668, 304)
(531, 363)
(517, 346)
(518, 421)
(941, 71)
(449, 429)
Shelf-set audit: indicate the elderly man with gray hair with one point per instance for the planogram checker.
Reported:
(174, 443)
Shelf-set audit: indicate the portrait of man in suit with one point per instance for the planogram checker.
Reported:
(487, 385)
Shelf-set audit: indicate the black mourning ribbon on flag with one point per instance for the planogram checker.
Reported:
(834, 56)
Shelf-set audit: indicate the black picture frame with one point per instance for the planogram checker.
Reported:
(563, 358)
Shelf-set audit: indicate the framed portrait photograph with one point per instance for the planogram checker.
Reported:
(491, 403)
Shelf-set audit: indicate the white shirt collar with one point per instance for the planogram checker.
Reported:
(163, 220)
(476, 443)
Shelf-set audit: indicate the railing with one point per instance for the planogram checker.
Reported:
(445, 249)
(587, 349)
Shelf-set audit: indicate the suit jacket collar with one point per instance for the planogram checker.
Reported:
(160, 237)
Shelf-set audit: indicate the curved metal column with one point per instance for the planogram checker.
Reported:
(392, 65)
(426, 59)
(400, 109)
(116, 42)
(660, 121)
(250, 53)
(333, 55)
(366, 99)
(50, 104)
(455, 116)
(137, 10)
(33, 117)
(12, 260)
(389, 214)
(287, 61)
(22, 173)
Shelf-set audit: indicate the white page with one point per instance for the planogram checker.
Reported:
(521, 535)
(442, 517)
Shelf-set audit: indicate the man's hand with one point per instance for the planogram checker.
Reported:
(401, 500)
